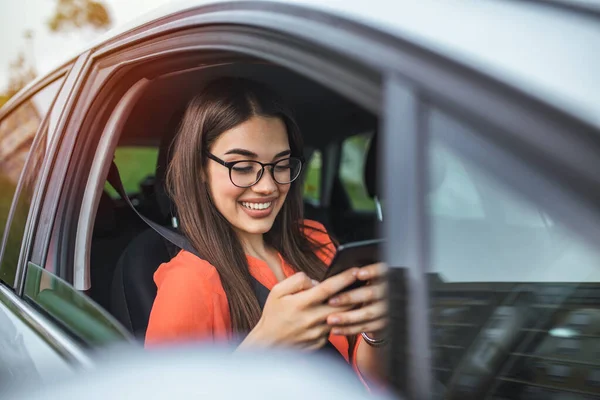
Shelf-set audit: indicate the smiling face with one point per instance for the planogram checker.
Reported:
(250, 210)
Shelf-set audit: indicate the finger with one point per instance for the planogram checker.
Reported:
(317, 315)
(373, 271)
(294, 284)
(365, 294)
(315, 333)
(316, 345)
(329, 287)
(361, 315)
(371, 326)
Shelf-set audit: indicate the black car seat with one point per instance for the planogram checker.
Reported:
(133, 289)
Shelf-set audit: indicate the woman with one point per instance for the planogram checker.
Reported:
(233, 178)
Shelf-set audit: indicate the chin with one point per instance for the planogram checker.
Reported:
(256, 227)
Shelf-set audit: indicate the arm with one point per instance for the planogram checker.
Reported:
(182, 310)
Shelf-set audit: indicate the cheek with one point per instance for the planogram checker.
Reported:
(222, 190)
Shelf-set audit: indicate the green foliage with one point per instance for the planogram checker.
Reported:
(3, 99)
(135, 164)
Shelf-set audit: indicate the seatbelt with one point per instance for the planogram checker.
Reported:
(260, 291)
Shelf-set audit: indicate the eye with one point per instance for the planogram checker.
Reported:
(241, 168)
(282, 167)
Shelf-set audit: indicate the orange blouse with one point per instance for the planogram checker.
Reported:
(191, 303)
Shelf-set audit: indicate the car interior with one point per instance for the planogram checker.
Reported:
(488, 337)
(125, 251)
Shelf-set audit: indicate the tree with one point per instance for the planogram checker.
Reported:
(76, 14)
(21, 70)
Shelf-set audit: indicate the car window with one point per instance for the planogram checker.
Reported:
(453, 193)
(75, 311)
(352, 167)
(17, 132)
(135, 163)
(312, 179)
(514, 292)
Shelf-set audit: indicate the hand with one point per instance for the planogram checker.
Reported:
(369, 305)
(296, 311)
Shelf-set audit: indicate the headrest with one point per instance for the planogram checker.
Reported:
(437, 173)
(165, 204)
(370, 175)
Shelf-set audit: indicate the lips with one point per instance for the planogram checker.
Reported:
(260, 208)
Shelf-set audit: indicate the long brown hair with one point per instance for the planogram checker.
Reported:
(220, 106)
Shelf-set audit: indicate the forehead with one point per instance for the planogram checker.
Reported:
(260, 135)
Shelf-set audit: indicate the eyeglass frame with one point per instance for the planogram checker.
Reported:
(230, 164)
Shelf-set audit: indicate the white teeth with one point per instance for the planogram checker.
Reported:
(256, 206)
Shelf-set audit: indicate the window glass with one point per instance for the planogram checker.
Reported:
(17, 132)
(452, 192)
(312, 178)
(352, 167)
(135, 164)
(75, 311)
(515, 310)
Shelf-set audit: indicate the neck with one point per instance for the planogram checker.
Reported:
(253, 244)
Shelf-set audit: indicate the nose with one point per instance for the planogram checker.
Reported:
(266, 184)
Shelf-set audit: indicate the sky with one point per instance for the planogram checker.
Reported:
(50, 49)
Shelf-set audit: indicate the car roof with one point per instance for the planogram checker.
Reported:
(547, 49)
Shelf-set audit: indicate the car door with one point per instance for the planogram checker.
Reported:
(495, 247)
(28, 353)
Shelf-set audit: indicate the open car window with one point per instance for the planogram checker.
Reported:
(352, 167)
(312, 179)
(135, 163)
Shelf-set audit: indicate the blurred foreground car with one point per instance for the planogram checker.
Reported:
(197, 373)
(466, 133)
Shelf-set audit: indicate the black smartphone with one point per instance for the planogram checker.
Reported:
(355, 254)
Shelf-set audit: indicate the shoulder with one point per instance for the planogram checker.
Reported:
(325, 247)
(187, 271)
(315, 231)
(185, 306)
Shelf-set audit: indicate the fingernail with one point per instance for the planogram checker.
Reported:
(315, 282)
(334, 320)
(336, 331)
(363, 274)
(334, 301)
(354, 272)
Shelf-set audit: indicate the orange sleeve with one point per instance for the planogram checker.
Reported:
(183, 308)
(317, 233)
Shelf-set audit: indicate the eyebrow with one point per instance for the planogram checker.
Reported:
(248, 153)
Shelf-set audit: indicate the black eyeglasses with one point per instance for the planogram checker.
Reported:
(246, 173)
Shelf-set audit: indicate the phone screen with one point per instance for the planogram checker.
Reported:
(355, 254)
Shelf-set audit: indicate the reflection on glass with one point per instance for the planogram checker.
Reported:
(528, 288)
(74, 310)
(17, 131)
